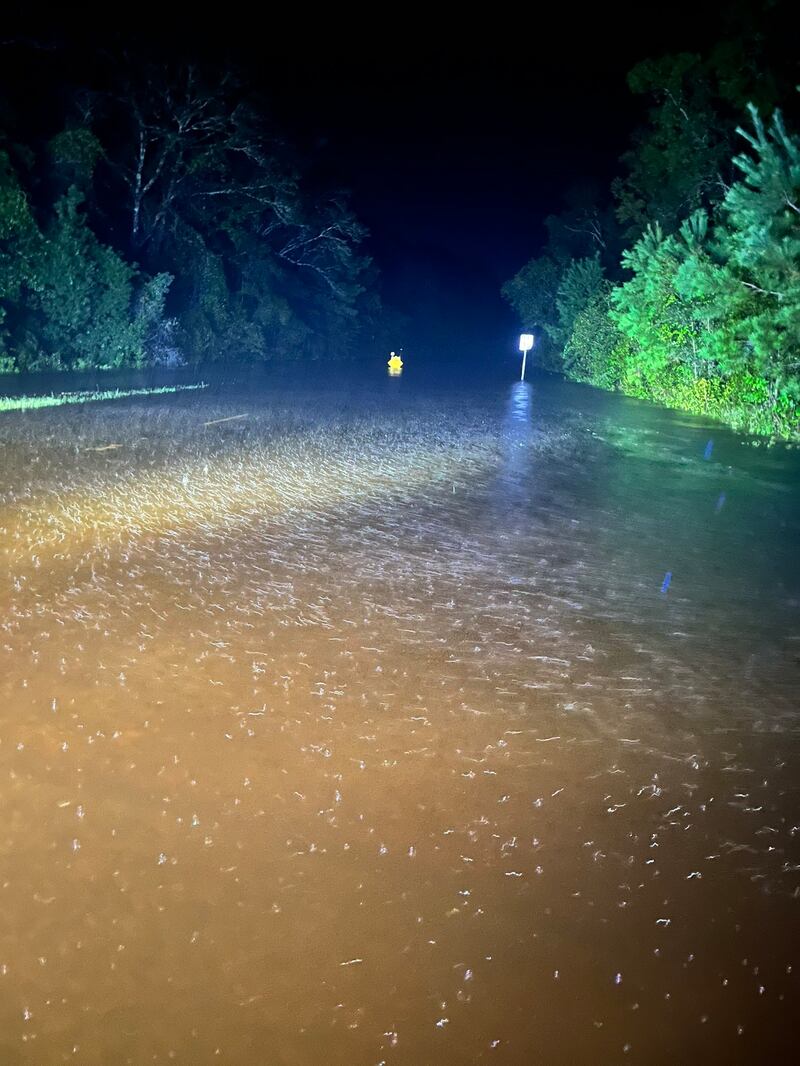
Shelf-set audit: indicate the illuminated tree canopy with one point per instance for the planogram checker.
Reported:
(695, 300)
(169, 222)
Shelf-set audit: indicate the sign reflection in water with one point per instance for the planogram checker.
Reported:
(518, 436)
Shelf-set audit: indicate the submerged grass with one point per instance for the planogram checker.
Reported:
(29, 403)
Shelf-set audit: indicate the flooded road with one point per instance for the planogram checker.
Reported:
(396, 725)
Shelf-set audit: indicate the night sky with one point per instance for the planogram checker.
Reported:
(457, 142)
(455, 139)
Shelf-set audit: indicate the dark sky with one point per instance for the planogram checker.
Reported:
(458, 140)
(466, 148)
(456, 137)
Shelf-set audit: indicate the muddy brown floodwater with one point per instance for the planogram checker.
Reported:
(394, 725)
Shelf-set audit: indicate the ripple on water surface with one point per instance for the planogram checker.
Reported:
(366, 729)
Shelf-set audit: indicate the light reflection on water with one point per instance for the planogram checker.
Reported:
(357, 731)
(517, 433)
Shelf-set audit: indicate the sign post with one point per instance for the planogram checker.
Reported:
(525, 345)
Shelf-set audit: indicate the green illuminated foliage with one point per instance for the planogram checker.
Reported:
(68, 301)
(707, 317)
(759, 243)
(581, 283)
(533, 293)
(654, 310)
(167, 223)
(74, 154)
(212, 195)
(680, 159)
(595, 349)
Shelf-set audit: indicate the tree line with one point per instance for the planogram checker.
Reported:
(681, 285)
(167, 221)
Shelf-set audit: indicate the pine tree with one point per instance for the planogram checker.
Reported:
(581, 283)
(759, 244)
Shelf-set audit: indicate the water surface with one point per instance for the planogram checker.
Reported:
(396, 723)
